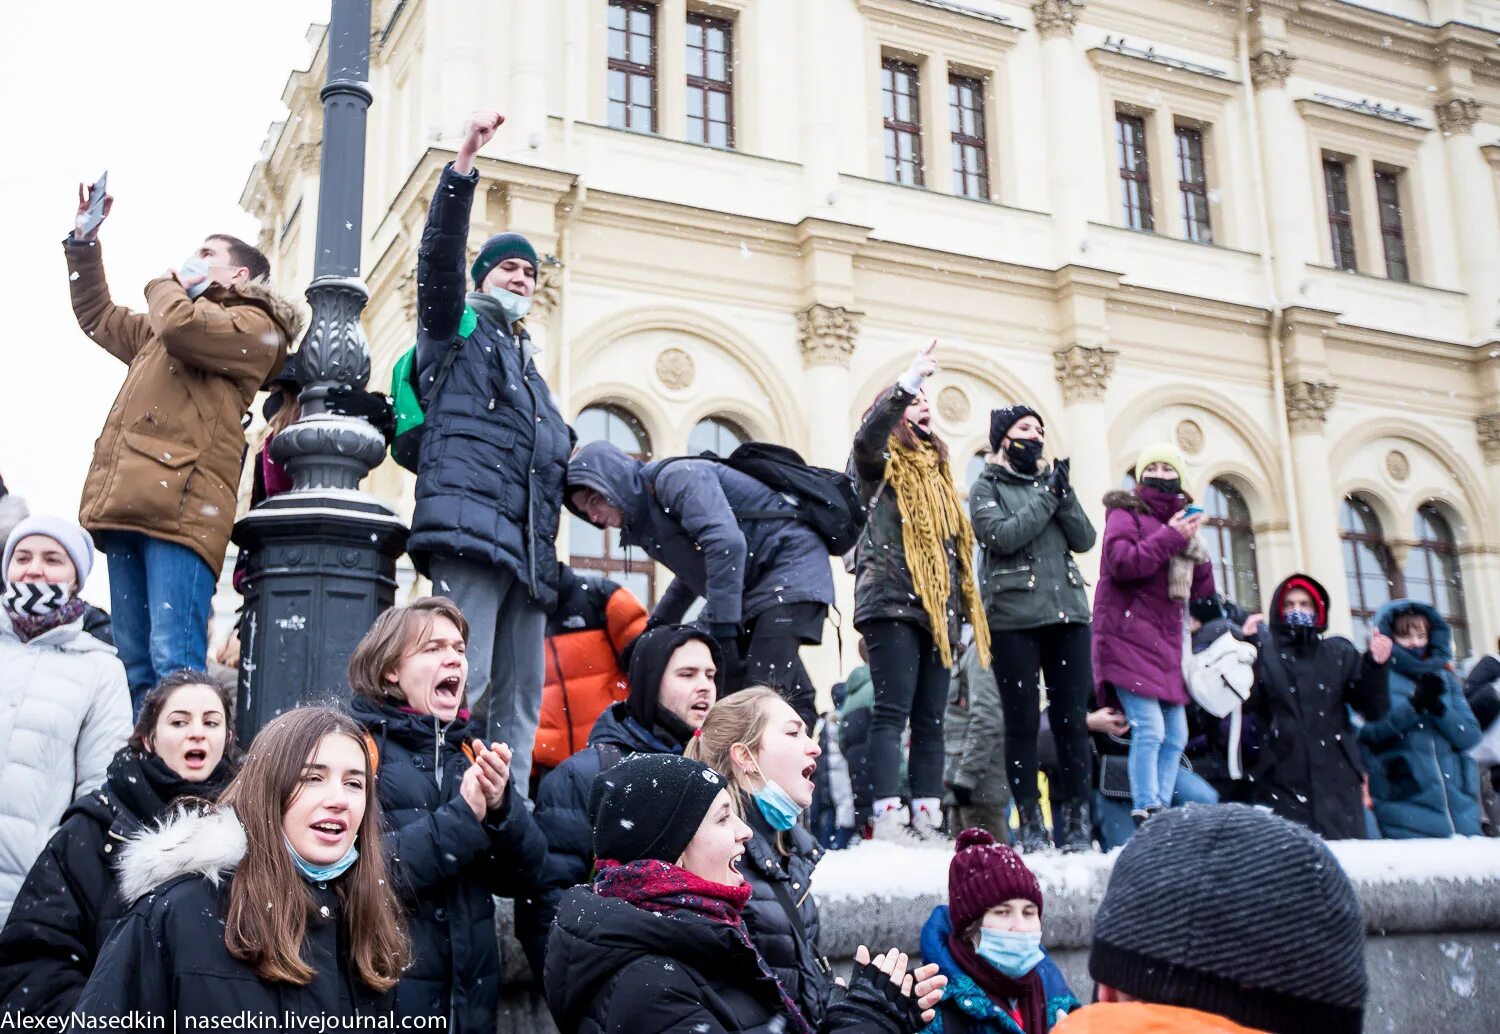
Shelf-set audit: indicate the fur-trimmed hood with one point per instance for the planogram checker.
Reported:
(187, 843)
(291, 316)
(1119, 499)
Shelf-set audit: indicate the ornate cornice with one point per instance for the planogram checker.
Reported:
(1056, 18)
(1270, 69)
(1458, 115)
(1488, 427)
(1307, 405)
(827, 334)
(548, 291)
(1084, 372)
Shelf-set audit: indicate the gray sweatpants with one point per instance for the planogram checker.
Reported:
(507, 629)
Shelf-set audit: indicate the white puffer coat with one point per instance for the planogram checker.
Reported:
(64, 711)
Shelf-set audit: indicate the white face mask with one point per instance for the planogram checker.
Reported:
(194, 266)
(515, 305)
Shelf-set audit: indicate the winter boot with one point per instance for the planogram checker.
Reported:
(927, 818)
(1077, 829)
(890, 821)
(1032, 836)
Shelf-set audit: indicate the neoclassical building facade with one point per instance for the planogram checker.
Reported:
(1266, 232)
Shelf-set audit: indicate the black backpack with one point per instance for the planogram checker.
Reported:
(825, 500)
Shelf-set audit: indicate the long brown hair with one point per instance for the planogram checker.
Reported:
(269, 901)
(394, 636)
(740, 718)
(904, 433)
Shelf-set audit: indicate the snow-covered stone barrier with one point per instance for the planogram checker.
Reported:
(1432, 911)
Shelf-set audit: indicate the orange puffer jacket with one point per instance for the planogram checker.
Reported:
(595, 621)
(1146, 1018)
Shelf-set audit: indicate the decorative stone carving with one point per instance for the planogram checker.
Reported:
(1056, 17)
(827, 334)
(675, 369)
(548, 291)
(1458, 115)
(1489, 437)
(1307, 405)
(1189, 437)
(1084, 372)
(1271, 68)
(1397, 465)
(953, 405)
(406, 290)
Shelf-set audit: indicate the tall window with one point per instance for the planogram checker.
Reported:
(1367, 564)
(903, 122)
(710, 91)
(966, 123)
(1340, 219)
(632, 65)
(1135, 172)
(716, 435)
(1231, 544)
(1192, 185)
(1432, 574)
(1392, 233)
(598, 549)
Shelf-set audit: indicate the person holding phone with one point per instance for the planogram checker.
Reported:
(160, 494)
(1152, 564)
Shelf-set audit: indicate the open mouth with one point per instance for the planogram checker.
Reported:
(734, 864)
(700, 707)
(330, 831)
(448, 688)
(196, 757)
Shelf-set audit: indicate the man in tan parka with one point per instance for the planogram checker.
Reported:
(160, 493)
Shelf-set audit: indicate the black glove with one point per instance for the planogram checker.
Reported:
(872, 989)
(1428, 698)
(1059, 483)
(371, 406)
(964, 795)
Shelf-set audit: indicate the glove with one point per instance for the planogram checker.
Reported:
(1428, 698)
(921, 368)
(964, 795)
(370, 406)
(873, 989)
(1059, 483)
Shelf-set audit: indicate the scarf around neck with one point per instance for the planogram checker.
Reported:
(931, 518)
(1027, 993)
(38, 607)
(658, 886)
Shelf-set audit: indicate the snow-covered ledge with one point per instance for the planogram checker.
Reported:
(1432, 909)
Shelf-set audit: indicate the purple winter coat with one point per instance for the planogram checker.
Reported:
(1137, 625)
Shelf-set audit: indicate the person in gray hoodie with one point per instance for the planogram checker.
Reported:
(767, 582)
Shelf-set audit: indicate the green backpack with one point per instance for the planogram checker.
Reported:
(410, 405)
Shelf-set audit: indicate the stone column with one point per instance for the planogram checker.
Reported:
(1471, 185)
(1479, 559)
(1289, 189)
(1307, 406)
(826, 335)
(1069, 175)
(1084, 374)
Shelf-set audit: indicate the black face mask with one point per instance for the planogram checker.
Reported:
(1024, 454)
(1171, 486)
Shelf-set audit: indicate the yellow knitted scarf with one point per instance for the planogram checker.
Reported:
(931, 517)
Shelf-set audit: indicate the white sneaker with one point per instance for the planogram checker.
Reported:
(891, 824)
(927, 818)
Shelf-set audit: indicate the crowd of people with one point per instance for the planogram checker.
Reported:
(655, 794)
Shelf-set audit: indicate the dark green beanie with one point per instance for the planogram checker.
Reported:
(499, 248)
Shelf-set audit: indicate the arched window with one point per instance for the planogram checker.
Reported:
(1367, 564)
(598, 549)
(717, 435)
(1432, 573)
(973, 469)
(1231, 543)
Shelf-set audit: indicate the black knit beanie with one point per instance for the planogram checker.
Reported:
(1002, 420)
(1234, 911)
(650, 806)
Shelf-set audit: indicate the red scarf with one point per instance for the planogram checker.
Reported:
(1031, 1001)
(659, 886)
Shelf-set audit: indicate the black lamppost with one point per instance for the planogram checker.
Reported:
(323, 555)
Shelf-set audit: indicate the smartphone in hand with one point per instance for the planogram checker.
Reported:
(92, 216)
(1192, 511)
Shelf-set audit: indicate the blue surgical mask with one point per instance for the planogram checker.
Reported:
(191, 267)
(1300, 618)
(322, 873)
(1012, 953)
(779, 809)
(515, 305)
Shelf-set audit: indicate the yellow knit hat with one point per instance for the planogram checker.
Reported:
(1162, 452)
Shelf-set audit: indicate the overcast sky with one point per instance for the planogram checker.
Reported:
(174, 99)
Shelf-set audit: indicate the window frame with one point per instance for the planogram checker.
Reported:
(960, 142)
(1431, 549)
(630, 68)
(1340, 221)
(705, 84)
(617, 561)
(1360, 615)
(1223, 530)
(1140, 174)
(892, 128)
(1389, 179)
(1199, 231)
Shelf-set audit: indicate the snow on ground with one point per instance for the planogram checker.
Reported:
(881, 869)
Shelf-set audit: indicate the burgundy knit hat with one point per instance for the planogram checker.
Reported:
(982, 875)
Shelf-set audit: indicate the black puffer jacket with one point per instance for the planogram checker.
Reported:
(791, 953)
(614, 967)
(495, 448)
(446, 864)
(71, 898)
(883, 587)
(167, 956)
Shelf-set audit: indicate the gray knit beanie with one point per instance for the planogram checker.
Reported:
(1234, 911)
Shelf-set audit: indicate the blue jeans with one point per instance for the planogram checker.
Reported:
(1112, 819)
(161, 597)
(1158, 733)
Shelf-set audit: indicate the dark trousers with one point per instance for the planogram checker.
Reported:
(772, 645)
(1061, 652)
(911, 684)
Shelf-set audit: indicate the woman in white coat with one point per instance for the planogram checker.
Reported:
(64, 704)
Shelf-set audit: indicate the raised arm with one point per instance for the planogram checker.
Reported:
(872, 438)
(1130, 555)
(238, 341)
(114, 328)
